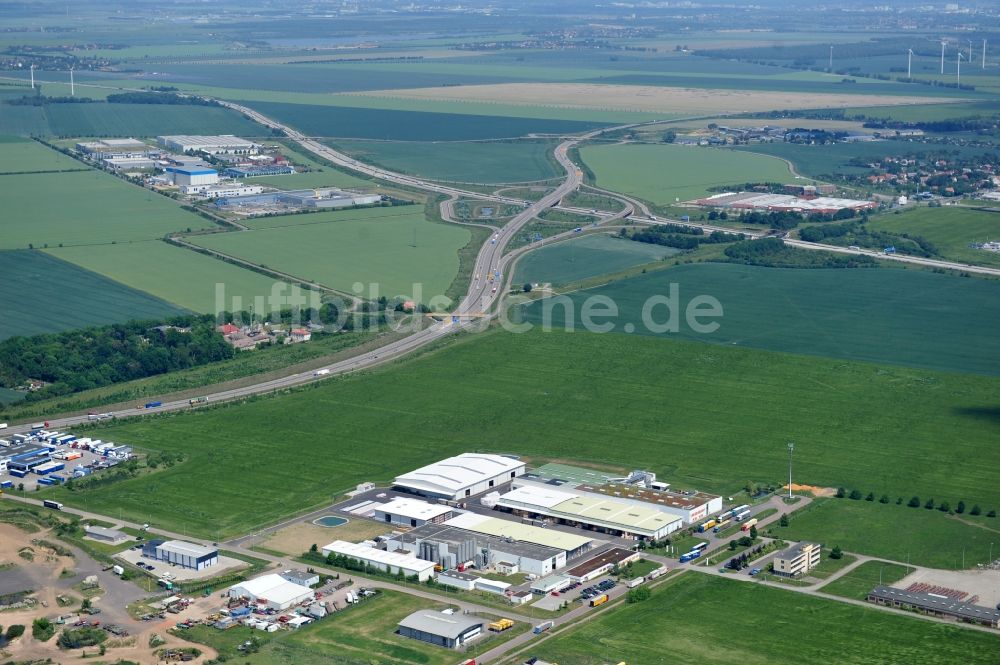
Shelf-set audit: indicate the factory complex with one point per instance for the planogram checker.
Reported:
(212, 168)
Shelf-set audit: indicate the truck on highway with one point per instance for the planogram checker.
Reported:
(54, 505)
(197, 400)
(542, 627)
(749, 523)
(35, 427)
(153, 405)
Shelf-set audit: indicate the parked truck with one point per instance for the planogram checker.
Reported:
(705, 526)
(749, 523)
(501, 625)
(117, 570)
(742, 515)
(599, 600)
(542, 627)
(631, 584)
(718, 527)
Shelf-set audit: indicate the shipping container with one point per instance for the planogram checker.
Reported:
(656, 573)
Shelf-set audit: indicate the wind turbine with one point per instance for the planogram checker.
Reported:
(984, 54)
(831, 58)
(943, 42)
(72, 88)
(970, 50)
(32, 76)
(958, 70)
(909, 59)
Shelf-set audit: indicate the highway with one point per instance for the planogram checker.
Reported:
(482, 296)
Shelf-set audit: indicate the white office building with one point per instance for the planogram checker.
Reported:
(391, 562)
(412, 512)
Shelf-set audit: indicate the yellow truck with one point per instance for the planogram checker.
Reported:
(501, 625)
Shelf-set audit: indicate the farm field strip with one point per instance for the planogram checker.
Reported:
(431, 407)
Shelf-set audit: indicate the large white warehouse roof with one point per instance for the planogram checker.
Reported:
(414, 509)
(274, 588)
(365, 553)
(454, 474)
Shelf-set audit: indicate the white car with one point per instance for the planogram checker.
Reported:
(3, 425)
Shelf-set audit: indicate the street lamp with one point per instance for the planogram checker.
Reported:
(791, 448)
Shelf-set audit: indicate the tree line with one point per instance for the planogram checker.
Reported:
(774, 253)
(76, 360)
(159, 98)
(679, 236)
(914, 502)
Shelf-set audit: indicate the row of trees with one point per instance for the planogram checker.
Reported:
(773, 252)
(914, 502)
(159, 98)
(858, 233)
(78, 360)
(680, 237)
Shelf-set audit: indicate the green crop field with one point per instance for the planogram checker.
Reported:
(906, 317)
(391, 125)
(18, 155)
(775, 626)
(585, 257)
(396, 251)
(175, 274)
(858, 583)
(86, 208)
(613, 399)
(101, 119)
(487, 162)
(663, 173)
(925, 112)
(950, 229)
(42, 294)
(897, 532)
(365, 635)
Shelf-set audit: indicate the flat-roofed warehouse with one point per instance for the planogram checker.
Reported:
(612, 516)
(452, 547)
(184, 554)
(689, 506)
(601, 564)
(446, 630)
(226, 144)
(461, 476)
(272, 590)
(390, 562)
(936, 604)
(571, 543)
(412, 512)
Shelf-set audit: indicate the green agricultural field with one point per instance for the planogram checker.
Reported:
(395, 251)
(925, 112)
(663, 173)
(365, 635)
(102, 119)
(320, 175)
(18, 155)
(391, 125)
(886, 315)
(950, 229)
(175, 274)
(897, 532)
(88, 209)
(778, 626)
(486, 162)
(609, 399)
(42, 294)
(586, 257)
(860, 581)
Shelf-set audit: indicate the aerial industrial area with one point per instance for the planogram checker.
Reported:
(499, 333)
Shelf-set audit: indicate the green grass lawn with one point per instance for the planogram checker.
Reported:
(42, 294)
(860, 581)
(663, 173)
(397, 250)
(365, 635)
(615, 400)
(582, 258)
(86, 208)
(950, 229)
(485, 162)
(897, 532)
(906, 317)
(175, 274)
(19, 155)
(777, 626)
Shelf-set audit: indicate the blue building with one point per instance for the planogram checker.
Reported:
(255, 171)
